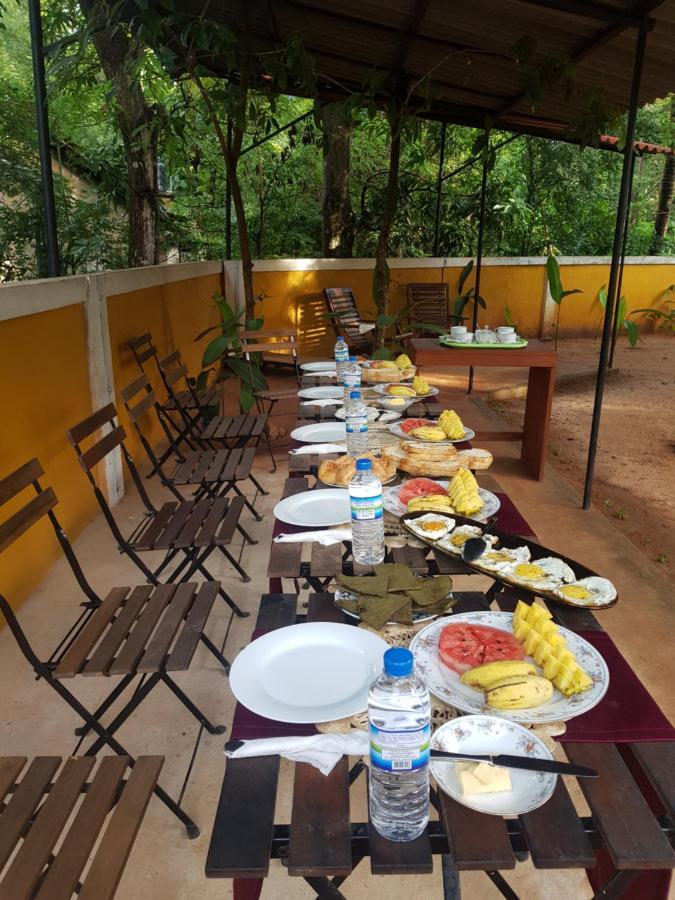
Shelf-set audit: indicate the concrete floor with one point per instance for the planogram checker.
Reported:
(164, 863)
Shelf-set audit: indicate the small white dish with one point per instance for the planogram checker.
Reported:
(314, 672)
(315, 509)
(323, 392)
(328, 366)
(465, 337)
(509, 337)
(491, 735)
(320, 433)
(458, 329)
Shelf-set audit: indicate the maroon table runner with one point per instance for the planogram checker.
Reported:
(627, 713)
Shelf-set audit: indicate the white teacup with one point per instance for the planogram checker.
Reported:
(509, 337)
(458, 329)
(506, 329)
(465, 337)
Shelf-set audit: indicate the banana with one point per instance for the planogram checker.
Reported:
(401, 390)
(403, 361)
(493, 674)
(429, 433)
(434, 503)
(384, 364)
(531, 691)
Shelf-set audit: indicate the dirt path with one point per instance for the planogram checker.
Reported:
(635, 466)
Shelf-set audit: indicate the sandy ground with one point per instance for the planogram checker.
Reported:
(635, 465)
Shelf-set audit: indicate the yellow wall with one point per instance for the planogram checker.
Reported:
(43, 370)
(295, 299)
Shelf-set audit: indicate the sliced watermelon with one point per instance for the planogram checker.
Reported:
(462, 646)
(419, 487)
(407, 425)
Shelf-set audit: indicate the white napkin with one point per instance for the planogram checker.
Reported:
(365, 327)
(323, 751)
(319, 448)
(337, 401)
(326, 537)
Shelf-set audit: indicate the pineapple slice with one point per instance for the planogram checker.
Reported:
(582, 680)
(521, 630)
(532, 641)
(567, 658)
(565, 680)
(542, 652)
(551, 668)
(548, 630)
(520, 612)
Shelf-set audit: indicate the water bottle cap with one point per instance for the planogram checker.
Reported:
(355, 395)
(340, 338)
(353, 359)
(398, 662)
(363, 465)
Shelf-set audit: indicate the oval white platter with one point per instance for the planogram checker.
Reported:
(313, 672)
(323, 392)
(315, 509)
(493, 735)
(445, 684)
(384, 389)
(328, 366)
(392, 503)
(320, 433)
(396, 429)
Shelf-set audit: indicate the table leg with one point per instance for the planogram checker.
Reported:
(537, 420)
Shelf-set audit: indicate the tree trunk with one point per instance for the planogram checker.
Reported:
(338, 223)
(665, 203)
(381, 271)
(118, 54)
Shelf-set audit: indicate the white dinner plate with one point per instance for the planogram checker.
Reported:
(314, 672)
(391, 500)
(493, 735)
(320, 433)
(445, 684)
(374, 415)
(323, 392)
(314, 509)
(384, 389)
(327, 366)
(396, 429)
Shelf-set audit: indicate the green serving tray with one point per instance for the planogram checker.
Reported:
(446, 341)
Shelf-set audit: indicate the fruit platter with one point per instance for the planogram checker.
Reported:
(417, 389)
(460, 495)
(516, 561)
(387, 371)
(448, 429)
(520, 666)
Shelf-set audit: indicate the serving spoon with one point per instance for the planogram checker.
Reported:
(475, 547)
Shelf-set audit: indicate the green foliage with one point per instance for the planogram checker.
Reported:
(555, 284)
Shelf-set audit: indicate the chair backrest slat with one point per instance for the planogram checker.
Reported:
(175, 375)
(135, 387)
(266, 348)
(278, 332)
(140, 408)
(143, 348)
(102, 448)
(19, 479)
(28, 515)
(170, 359)
(92, 423)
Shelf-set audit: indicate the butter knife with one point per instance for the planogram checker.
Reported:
(532, 763)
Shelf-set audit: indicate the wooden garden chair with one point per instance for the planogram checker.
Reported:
(428, 305)
(346, 320)
(212, 473)
(51, 823)
(143, 632)
(144, 350)
(283, 347)
(187, 530)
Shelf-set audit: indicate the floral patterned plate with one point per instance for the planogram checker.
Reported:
(490, 734)
(445, 684)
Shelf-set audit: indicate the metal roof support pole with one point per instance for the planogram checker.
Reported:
(617, 300)
(228, 199)
(614, 268)
(42, 121)
(439, 189)
(479, 244)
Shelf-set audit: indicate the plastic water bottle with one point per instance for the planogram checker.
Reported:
(356, 423)
(341, 353)
(351, 380)
(399, 716)
(365, 500)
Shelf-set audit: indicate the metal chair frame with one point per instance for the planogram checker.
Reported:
(194, 560)
(42, 504)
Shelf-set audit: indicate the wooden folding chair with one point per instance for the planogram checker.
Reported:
(346, 320)
(209, 472)
(144, 350)
(283, 347)
(191, 529)
(51, 823)
(146, 631)
(428, 305)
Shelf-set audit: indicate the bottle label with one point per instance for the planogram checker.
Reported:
(399, 751)
(366, 508)
(356, 425)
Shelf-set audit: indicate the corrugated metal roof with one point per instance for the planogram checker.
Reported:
(456, 60)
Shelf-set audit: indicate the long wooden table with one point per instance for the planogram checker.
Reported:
(538, 357)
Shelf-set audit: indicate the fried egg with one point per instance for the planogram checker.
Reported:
(454, 542)
(556, 568)
(591, 591)
(497, 560)
(430, 526)
(532, 575)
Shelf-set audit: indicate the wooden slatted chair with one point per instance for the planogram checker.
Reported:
(212, 473)
(50, 823)
(141, 632)
(144, 350)
(283, 347)
(191, 529)
(428, 305)
(346, 319)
